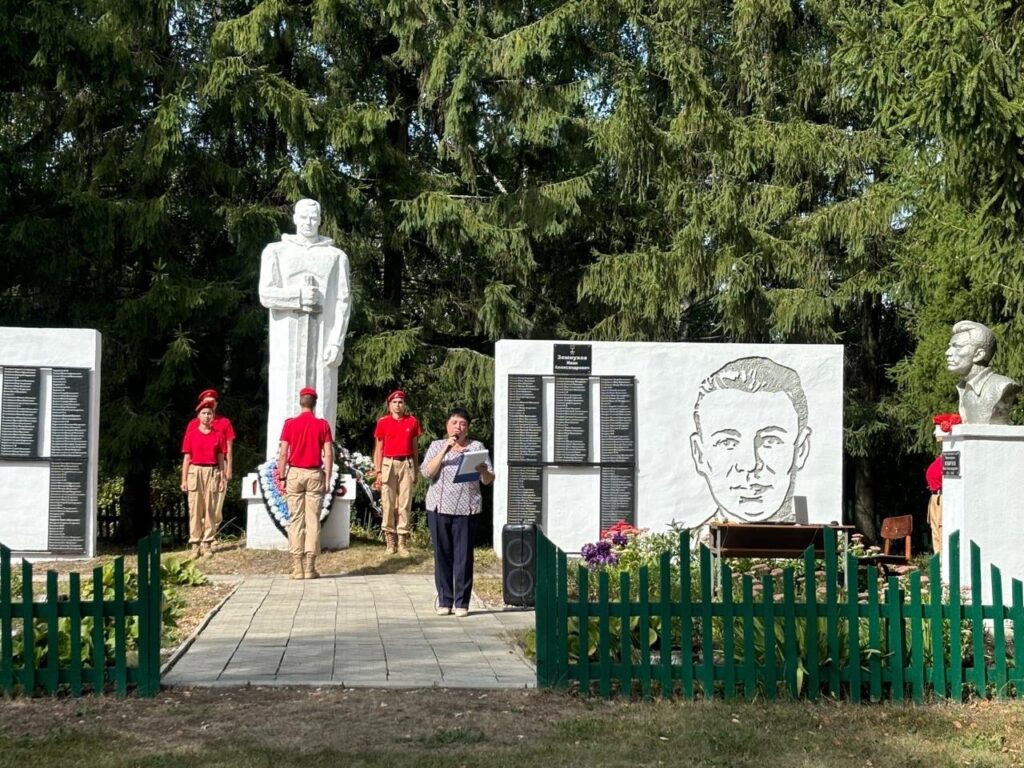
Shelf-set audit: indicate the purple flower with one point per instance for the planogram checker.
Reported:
(599, 553)
(619, 539)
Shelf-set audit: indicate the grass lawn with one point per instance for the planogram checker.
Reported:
(276, 727)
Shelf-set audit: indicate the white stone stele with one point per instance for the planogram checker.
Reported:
(985, 503)
(667, 379)
(24, 513)
(261, 533)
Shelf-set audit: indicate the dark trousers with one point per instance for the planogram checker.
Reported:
(453, 557)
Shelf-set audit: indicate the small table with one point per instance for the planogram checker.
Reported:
(775, 540)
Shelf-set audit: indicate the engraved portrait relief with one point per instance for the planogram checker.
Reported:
(751, 438)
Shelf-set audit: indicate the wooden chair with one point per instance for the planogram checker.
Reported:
(893, 530)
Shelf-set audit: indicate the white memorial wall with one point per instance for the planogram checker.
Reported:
(586, 434)
(49, 440)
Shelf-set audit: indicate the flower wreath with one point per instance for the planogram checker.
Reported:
(273, 493)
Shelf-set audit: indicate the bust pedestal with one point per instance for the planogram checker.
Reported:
(981, 498)
(261, 533)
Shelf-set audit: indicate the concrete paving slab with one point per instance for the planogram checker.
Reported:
(358, 631)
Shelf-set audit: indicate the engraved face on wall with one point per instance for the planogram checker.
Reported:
(751, 438)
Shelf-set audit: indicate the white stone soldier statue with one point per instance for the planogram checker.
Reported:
(986, 397)
(304, 283)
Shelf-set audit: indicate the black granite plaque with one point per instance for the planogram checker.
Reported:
(618, 496)
(69, 406)
(572, 360)
(951, 463)
(68, 493)
(525, 494)
(19, 413)
(572, 420)
(526, 418)
(618, 419)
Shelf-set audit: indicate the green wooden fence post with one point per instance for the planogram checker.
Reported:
(6, 625)
(916, 639)
(998, 678)
(51, 677)
(935, 618)
(771, 673)
(28, 654)
(120, 657)
(99, 651)
(686, 616)
(145, 617)
(562, 620)
(1016, 678)
(874, 637)
(643, 589)
(583, 616)
(977, 613)
(832, 609)
(955, 613)
(706, 626)
(790, 647)
(728, 635)
(665, 642)
(75, 612)
(542, 619)
(604, 650)
(625, 638)
(749, 654)
(811, 625)
(852, 612)
(156, 608)
(894, 614)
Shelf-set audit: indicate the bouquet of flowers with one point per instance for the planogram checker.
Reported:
(613, 540)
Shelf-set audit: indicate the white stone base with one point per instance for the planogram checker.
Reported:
(261, 533)
(985, 503)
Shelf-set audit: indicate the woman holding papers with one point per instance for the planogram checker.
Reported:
(453, 505)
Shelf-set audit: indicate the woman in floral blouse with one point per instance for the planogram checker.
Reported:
(452, 511)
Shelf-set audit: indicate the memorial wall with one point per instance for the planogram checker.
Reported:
(49, 440)
(587, 434)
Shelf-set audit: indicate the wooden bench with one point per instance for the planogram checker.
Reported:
(774, 540)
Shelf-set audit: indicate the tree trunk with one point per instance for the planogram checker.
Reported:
(864, 499)
(136, 519)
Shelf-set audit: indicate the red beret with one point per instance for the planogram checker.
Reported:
(207, 403)
(208, 394)
(307, 391)
(396, 394)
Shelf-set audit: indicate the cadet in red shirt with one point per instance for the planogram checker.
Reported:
(306, 457)
(202, 477)
(223, 425)
(395, 458)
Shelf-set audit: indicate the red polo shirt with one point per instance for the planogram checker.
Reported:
(398, 436)
(306, 435)
(933, 475)
(204, 447)
(220, 424)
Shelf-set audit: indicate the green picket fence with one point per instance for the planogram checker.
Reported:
(874, 643)
(65, 642)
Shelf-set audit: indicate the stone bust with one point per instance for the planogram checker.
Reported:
(986, 397)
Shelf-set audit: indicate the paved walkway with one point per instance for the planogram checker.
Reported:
(356, 631)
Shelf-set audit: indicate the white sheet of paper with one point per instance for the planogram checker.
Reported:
(470, 461)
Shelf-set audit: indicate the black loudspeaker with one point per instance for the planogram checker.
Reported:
(519, 563)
